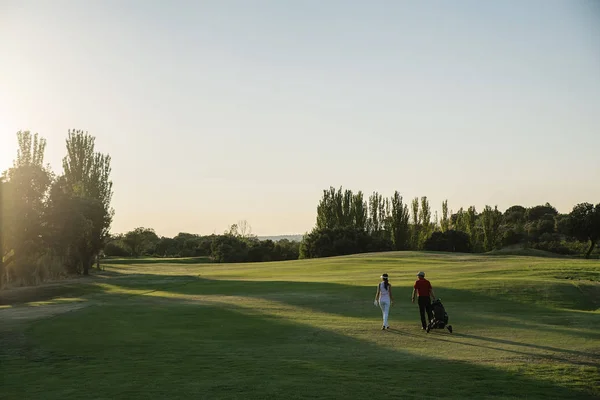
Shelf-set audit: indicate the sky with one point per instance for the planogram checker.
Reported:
(219, 111)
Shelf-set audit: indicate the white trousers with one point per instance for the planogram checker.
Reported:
(385, 309)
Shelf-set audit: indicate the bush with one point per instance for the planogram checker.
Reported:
(116, 249)
(450, 241)
(562, 247)
(328, 242)
(511, 236)
(229, 249)
(286, 250)
(35, 269)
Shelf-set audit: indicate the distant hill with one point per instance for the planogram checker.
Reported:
(291, 238)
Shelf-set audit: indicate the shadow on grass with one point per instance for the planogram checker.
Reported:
(333, 298)
(181, 350)
(28, 294)
(528, 345)
(304, 293)
(577, 357)
(354, 301)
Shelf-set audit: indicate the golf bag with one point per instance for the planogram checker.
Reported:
(440, 317)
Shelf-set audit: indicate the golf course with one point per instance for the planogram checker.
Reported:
(524, 327)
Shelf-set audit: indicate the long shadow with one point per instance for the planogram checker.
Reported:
(180, 351)
(519, 321)
(348, 300)
(352, 301)
(434, 336)
(528, 345)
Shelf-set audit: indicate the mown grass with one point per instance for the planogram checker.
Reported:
(524, 327)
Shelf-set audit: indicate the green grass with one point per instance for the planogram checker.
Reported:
(524, 327)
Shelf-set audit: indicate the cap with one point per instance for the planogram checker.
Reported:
(421, 274)
(384, 276)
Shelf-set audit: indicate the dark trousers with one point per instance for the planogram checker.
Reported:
(425, 305)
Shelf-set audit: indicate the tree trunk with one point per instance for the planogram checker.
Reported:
(592, 245)
(86, 266)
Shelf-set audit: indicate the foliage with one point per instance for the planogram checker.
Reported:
(87, 175)
(70, 226)
(427, 227)
(540, 212)
(399, 218)
(141, 241)
(53, 220)
(229, 248)
(340, 209)
(490, 220)
(24, 193)
(450, 241)
(115, 247)
(232, 246)
(327, 242)
(584, 224)
(445, 222)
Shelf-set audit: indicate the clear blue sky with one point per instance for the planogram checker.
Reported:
(216, 111)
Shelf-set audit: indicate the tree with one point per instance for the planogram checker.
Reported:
(115, 247)
(400, 229)
(2, 251)
(359, 211)
(538, 212)
(228, 248)
(450, 241)
(334, 209)
(233, 231)
(445, 222)
(375, 213)
(470, 223)
(584, 224)
(562, 222)
(87, 174)
(69, 221)
(490, 219)
(24, 192)
(458, 221)
(244, 228)
(286, 250)
(347, 217)
(141, 241)
(416, 224)
(425, 219)
(515, 214)
(334, 242)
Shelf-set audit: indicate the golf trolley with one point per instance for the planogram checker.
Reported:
(440, 317)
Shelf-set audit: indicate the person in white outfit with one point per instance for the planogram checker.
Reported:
(384, 299)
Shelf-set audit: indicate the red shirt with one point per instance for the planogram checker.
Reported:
(423, 287)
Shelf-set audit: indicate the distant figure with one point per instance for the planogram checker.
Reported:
(384, 299)
(423, 289)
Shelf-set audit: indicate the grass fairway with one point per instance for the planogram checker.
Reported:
(524, 327)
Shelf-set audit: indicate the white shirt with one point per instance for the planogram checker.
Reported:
(384, 294)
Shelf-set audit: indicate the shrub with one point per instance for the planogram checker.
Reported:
(328, 242)
(450, 241)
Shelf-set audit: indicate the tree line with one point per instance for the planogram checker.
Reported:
(53, 224)
(348, 223)
(235, 245)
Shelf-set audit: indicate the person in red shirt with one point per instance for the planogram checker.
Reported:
(423, 289)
